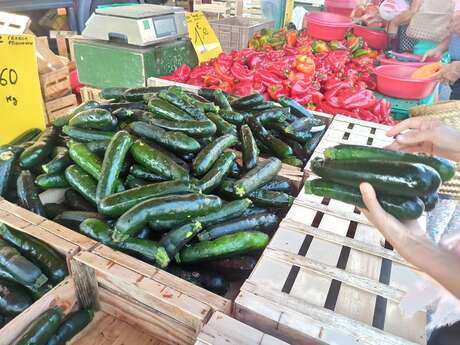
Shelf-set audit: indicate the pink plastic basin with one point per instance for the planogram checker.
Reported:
(386, 61)
(327, 26)
(343, 7)
(374, 38)
(395, 81)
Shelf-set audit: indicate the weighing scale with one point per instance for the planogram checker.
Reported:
(124, 46)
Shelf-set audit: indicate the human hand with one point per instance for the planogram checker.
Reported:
(426, 135)
(392, 29)
(449, 73)
(434, 53)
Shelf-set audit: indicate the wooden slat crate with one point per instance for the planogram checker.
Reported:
(222, 329)
(60, 107)
(55, 84)
(90, 94)
(328, 275)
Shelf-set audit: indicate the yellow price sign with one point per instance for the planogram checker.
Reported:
(21, 104)
(289, 11)
(203, 37)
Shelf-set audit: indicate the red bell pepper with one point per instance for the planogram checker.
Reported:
(382, 109)
(276, 91)
(335, 84)
(268, 78)
(182, 73)
(327, 108)
(241, 73)
(363, 99)
(222, 73)
(209, 80)
(300, 88)
(244, 88)
(303, 100)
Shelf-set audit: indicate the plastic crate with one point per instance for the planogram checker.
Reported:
(234, 33)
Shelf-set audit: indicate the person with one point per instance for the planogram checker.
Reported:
(397, 27)
(441, 262)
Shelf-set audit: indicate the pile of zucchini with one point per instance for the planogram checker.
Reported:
(154, 173)
(406, 183)
(51, 328)
(28, 269)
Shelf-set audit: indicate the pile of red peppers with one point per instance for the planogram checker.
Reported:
(332, 81)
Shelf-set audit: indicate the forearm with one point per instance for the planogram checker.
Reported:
(444, 45)
(406, 16)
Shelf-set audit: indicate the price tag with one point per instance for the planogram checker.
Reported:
(203, 37)
(21, 104)
(289, 11)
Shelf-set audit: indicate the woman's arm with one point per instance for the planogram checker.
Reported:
(406, 16)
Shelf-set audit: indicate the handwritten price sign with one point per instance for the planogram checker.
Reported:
(203, 37)
(21, 105)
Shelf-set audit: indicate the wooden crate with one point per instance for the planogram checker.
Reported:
(222, 329)
(60, 107)
(90, 94)
(336, 277)
(55, 84)
(152, 81)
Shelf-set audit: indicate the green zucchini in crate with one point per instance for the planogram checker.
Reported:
(209, 155)
(250, 149)
(14, 299)
(42, 148)
(9, 156)
(87, 135)
(176, 239)
(82, 182)
(219, 170)
(194, 128)
(64, 120)
(165, 110)
(47, 181)
(100, 119)
(71, 326)
(60, 161)
(139, 171)
(28, 193)
(24, 137)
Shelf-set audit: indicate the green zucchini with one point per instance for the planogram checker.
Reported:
(146, 250)
(250, 149)
(266, 222)
(179, 207)
(294, 161)
(166, 110)
(266, 198)
(137, 93)
(117, 204)
(97, 229)
(444, 167)
(232, 117)
(134, 182)
(196, 129)
(61, 160)
(248, 102)
(64, 120)
(303, 124)
(89, 162)
(99, 119)
(211, 281)
(34, 292)
(209, 94)
(14, 299)
(143, 173)
(123, 114)
(182, 104)
(311, 144)
(112, 164)
(158, 162)
(229, 245)
(236, 170)
(263, 173)
(176, 239)
(400, 207)
(390, 177)
(265, 106)
(272, 115)
(47, 181)
(73, 219)
(97, 147)
(223, 127)
(126, 105)
(71, 326)
(112, 93)
(76, 202)
(203, 106)
(37, 153)
(296, 108)
(280, 184)
(430, 201)
(176, 141)
(50, 262)
(27, 135)
(219, 170)
(228, 211)
(209, 155)
(21, 269)
(28, 194)
(221, 100)
(87, 135)
(226, 191)
(9, 166)
(145, 233)
(234, 269)
(53, 209)
(165, 225)
(82, 182)
(40, 331)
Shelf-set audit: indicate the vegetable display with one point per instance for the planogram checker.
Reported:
(406, 184)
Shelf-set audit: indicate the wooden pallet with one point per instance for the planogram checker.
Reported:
(328, 275)
(60, 107)
(222, 329)
(90, 94)
(55, 84)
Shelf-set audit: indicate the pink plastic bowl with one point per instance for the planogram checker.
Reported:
(327, 26)
(386, 61)
(395, 81)
(343, 7)
(374, 38)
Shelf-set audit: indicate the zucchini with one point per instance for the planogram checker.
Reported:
(37, 153)
(50, 262)
(250, 149)
(117, 204)
(266, 198)
(76, 202)
(265, 222)
(272, 115)
(87, 135)
(64, 120)
(9, 165)
(113, 93)
(158, 162)
(203, 106)
(71, 326)
(182, 104)
(279, 148)
(232, 117)
(248, 102)
(444, 167)
(265, 106)
(236, 170)
(137, 94)
(73, 219)
(165, 225)
(396, 178)
(228, 211)
(303, 124)
(311, 144)
(48, 181)
(53, 209)
(134, 182)
(89, 162)
(179, 207)
(40, 331)
(82, 182)
(126, 105)
(99, 119)
(296, 108)
(430, 201)
(176, 141)
(97, 229)
(22, 270)
(144, 234)
(24, 137)
(280, 184)
(211, 281)
(229, 245)
(219, 170)
(297, 148)
(400, 207)
(34, 292)
(294, 161)
(97, 147)
(61, 160)
(123, 114)
(223, 127)
(146, 250)
(28, 194)
(166, 110)
(112, 164)
(234, 269)
(196, 129)
(263, 173)
(14, 299)
(221, 100)
(226, 191)
(209, 94)
(209, 155)
(176, 239)
(143, 173)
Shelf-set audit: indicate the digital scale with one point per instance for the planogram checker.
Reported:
(140, 25)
